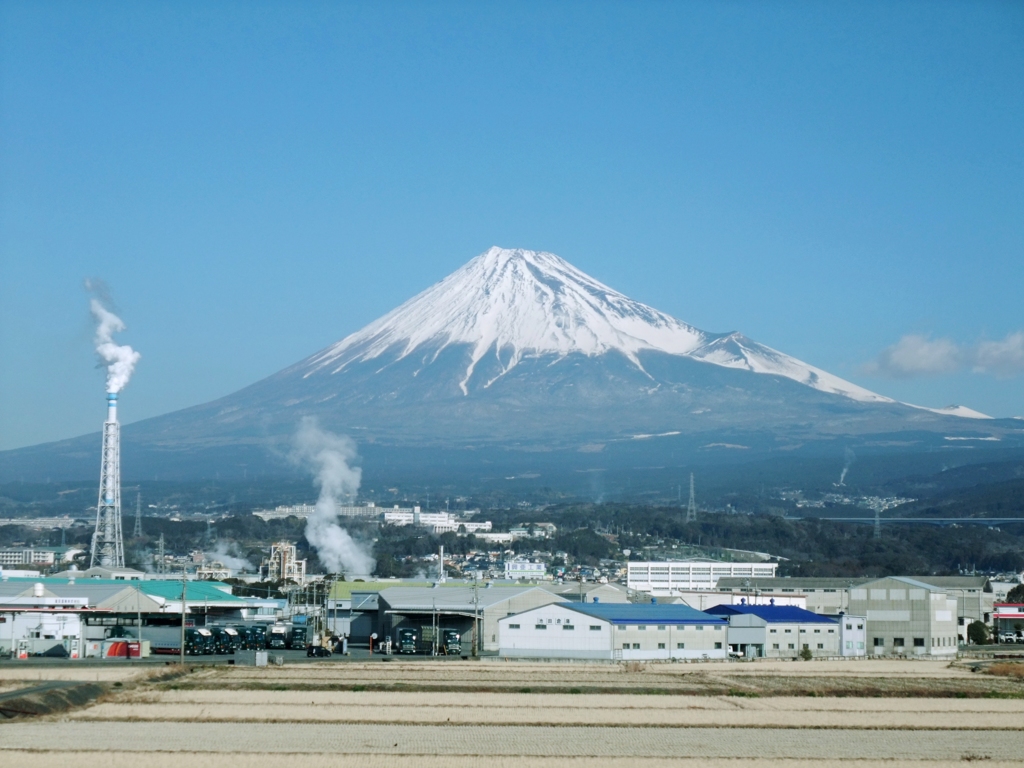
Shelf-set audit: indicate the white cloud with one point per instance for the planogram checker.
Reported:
(1002, 358)
(915, 355)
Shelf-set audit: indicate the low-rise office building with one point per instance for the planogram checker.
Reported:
(670, 577)
(1008, 621)
(778, 631)
(626, 631)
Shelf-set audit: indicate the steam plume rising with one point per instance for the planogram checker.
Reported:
(328, 455)
(119, 359)
(850, 457)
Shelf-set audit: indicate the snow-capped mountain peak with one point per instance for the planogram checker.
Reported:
(516, 304)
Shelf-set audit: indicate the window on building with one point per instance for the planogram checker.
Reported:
(681, 646)
(625, 646)
(789, 631)
(773, 631)
(541, 626)
(806, 647)
(775, 646)
(821, 646)
(879, 642)
(700, 627)
(860, 626)
(568, 626)
(636, 646)
(642, 627)
(513, 626)
(849, 626)
(919, 642)
(595, 627)
(792, 647)
(661, 646)
(831, 631)
(718, 646)
(897, 642)
(718, 628)
(849, 645)
(860, 645)
(661, 628)
(817, 631)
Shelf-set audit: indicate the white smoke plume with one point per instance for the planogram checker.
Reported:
(850, 457)
(120, 359)
(329, 457)
(222, 554)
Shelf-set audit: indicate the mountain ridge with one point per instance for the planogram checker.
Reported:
(518, 351)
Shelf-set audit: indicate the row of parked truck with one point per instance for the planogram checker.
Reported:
(221, 640)
(416, 640)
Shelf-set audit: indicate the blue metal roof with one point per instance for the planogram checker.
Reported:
(773, 614)
(644, 613)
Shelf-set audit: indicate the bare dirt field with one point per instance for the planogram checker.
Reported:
(427, 714)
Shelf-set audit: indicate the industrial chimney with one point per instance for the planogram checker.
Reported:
(107, 543)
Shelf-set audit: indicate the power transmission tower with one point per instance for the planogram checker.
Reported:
(137, 533)
(878, 524)
(691, 507)
(160, 561)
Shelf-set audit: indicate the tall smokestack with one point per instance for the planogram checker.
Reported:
(107, 541)
(119, 360)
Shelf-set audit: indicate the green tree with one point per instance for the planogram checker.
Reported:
(1016, 595)
(977, 633)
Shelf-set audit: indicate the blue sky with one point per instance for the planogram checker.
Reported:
(844, 182)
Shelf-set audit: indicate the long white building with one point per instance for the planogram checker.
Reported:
(613, 631)
(671, 577)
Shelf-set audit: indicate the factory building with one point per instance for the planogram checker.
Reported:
(703, 599)
(283, 564)
(588, 591)
(779, 631)
(101, 607)
(821, 595)
(617, 631)
(974, 594)
(449, 607)
(906, 617)
(671, 577)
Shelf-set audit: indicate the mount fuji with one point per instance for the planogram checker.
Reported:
(520, 351)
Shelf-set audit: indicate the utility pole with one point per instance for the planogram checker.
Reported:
(691, 508)
(476, 613)
(160, 561)
(181, 650)
(137, 533)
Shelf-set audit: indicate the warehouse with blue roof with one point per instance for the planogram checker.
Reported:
(779, 631)
(613, 631)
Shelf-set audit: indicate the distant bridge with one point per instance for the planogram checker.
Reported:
(990, 521)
